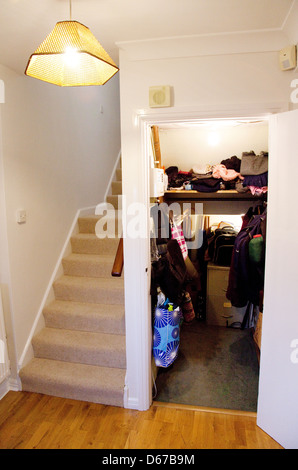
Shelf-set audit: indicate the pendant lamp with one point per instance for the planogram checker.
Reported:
(71, 56)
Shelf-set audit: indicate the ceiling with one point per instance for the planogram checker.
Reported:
(24, 24)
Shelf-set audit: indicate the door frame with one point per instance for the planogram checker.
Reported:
(143, 120)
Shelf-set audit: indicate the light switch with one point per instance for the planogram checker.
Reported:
(21, 216)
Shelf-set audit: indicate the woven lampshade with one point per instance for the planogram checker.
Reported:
(71, 56)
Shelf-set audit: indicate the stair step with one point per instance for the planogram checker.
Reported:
(85, 317)
(110, 224)
(82, 347)
(75, 381)
(117, 187)
(88, 243)
(115, 201)
(88, 265)
(119, 174)
(89, 289)
(87, 223)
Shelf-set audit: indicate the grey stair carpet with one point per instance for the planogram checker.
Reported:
(80, 354)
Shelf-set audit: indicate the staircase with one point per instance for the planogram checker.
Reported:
(116, 188)
(80, 353)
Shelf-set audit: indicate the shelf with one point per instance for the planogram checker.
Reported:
(226, 195)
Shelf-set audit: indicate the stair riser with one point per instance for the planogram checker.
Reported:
(116, 188)
(85, 269)
(95, 246)
(119, 174)
(83, 355)
(83, 323)
(115, 201)
(93, 295)
(109, 226)
(73, 392)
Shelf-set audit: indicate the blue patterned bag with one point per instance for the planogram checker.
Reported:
(166, 334)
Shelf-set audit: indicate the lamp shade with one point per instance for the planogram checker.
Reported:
(71, 56)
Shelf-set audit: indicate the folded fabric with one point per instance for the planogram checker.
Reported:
(232, 163)
(207, 185)
(252, 164)
(198, 176)
(257, 191)
(256, 180)
(220, 171)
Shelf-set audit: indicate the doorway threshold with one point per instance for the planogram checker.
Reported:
(204, 409)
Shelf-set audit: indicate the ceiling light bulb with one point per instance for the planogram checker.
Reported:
(71, 56)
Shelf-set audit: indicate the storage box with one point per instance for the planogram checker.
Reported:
(219, 310)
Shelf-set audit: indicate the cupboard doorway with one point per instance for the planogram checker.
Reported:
(277, 403)
(217, 365)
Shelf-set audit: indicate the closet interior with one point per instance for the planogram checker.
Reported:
(209, 186)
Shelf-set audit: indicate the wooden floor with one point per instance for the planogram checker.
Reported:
(34, 421)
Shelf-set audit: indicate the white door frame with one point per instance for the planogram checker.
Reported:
(144, 121)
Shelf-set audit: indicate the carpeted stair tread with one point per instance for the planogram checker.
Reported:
(76, 381)
(85, 316)
(88, 265)
(88, 243)
(84, 347)
(90, 289)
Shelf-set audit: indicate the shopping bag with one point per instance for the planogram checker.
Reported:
(166, 334)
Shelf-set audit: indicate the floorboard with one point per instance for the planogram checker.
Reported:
(35, 421)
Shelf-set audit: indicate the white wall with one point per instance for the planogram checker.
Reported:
(202, 85)
(58, 154)
(187, 147)
(5, 279)
(290, 27)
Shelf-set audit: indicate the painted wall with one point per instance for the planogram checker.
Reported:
(58, 152)
(209, 144)
(222, 83)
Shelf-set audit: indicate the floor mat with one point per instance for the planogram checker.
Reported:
(216, 367)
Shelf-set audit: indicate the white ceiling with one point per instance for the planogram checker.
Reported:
(24, 24)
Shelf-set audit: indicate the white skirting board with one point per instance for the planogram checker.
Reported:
(4, 361)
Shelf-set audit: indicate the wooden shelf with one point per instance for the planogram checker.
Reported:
(226, 195)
